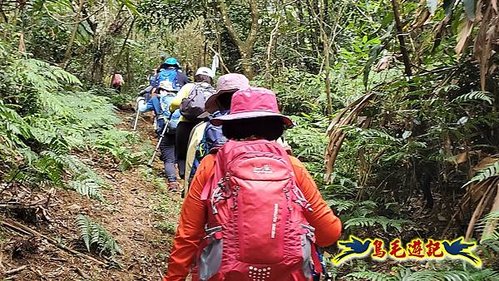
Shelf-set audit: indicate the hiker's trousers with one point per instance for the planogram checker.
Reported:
(167, 149)
(184, 129)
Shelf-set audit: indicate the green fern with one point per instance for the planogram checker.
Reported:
(490, 246)
(87, 187)
(12, 129)
(95, 236)
(44, 77)
(489, 220)
(341, 205)
(384, 222)
(370, 275)
(454, 275)
(485, 275)
(406, 274)
(114, 142)
(474, 95)
(356, 209)
(379, 136)
(490, 171)
(59, 119)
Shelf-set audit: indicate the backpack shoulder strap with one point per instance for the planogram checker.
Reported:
(194, 88)
(212, 181)
(221, 158)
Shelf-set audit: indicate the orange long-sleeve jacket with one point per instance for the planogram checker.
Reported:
(193, 218)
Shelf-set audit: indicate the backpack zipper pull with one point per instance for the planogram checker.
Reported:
(300, 199)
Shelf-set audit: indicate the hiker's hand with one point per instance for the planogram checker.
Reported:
(153, 92)
(141, 101)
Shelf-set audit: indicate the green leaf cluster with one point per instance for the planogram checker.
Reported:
(97, 237)
(444, 274)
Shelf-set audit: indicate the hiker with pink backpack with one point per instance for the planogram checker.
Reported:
(253, 212)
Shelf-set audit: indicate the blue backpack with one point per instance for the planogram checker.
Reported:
(169, 75)
(165, 102)
(212, 140)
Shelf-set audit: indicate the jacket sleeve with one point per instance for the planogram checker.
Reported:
(148, 106)
(191, 226)
(327, 225)
(183, 93)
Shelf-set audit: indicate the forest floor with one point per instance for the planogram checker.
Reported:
(137, 210)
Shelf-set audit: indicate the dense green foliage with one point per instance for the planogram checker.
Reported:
(48, 121)
(418, 159)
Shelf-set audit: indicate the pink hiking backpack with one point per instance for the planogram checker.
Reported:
(256, 229)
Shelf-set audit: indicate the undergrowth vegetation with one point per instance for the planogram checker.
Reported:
(418, 155)
(49, 123)
(54, 132)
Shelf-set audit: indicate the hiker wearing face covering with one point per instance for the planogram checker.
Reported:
(252, 212)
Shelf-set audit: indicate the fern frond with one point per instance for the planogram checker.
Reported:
(341, 205)
(12, 127)
(84, 224)
(489, 225)
(371, 276)
(87, 187)
(94, 235)
(44, 77)
(378, 135)
(488, 172)
(454, 275)
(376, 220)
(485, 275)
(63, 76)
(474, 96)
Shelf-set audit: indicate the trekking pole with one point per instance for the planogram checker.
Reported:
(136, 119)
(149, 164)
(137, 109)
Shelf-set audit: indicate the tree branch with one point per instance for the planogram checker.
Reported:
(228, 22)
(400, 35)
(250, 41)
(67, 55)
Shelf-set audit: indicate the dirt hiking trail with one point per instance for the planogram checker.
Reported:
(42, 241)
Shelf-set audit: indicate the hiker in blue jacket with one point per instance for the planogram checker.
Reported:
(170, 70)
(160, 104)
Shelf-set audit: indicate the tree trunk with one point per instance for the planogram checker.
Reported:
(327, 68)
(246, 55)
(69, 47)
(245, 47)
(98, 66)
(400, 35)
(270, 47)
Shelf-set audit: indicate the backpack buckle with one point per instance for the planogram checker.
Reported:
(300, 199)
(214, 232)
